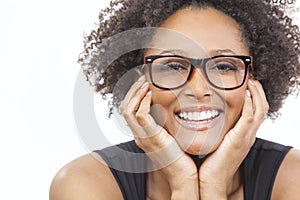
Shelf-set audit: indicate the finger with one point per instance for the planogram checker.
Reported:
(244, 132)
(144, 110)
(131, 92)
(145, 120)
(254, 94)
(137, 114)
(260, 103)
(262, 95)
(134, 102)
(129, 109)
(147, 131)
(236, 142)
(248, 107)
(241, 132)
(239, 139)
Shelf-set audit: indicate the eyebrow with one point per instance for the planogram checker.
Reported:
(174, 51)
(213, 52)
(221, 51)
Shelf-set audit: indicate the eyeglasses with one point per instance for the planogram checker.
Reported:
(225, 72)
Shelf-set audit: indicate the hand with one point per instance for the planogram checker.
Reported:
(177, 167)
(217, 172)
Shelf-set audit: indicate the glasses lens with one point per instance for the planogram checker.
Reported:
(226, 72)
(170, 72)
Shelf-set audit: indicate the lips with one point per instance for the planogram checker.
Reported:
(198, 119)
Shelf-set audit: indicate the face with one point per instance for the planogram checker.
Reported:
(214, 33)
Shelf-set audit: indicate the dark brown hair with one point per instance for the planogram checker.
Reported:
(272, 39)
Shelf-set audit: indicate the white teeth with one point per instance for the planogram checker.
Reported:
(199, 116)
(190, 115)
(208, 114)
(185, 116)
(214, 113)
(202, 115)
(196, 115)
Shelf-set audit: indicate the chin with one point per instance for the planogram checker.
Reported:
(200, 144)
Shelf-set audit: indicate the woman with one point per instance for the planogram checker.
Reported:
(195, 111)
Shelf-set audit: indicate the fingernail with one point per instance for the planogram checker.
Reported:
(145, 85)
(141, 78)
(248, 93)
(148, 93)
(251, 82)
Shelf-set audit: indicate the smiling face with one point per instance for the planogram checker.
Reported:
(197, 114)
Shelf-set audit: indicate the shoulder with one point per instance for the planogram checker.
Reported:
(86, 177)
(287, 181)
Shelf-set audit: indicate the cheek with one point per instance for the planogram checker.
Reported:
(161, 97)
(164, 98)
(234, 105)
(162, 108)
(235, 100)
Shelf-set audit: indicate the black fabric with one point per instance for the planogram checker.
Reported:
(132, 185)
(259, 169)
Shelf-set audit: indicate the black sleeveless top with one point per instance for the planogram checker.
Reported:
(259, 169)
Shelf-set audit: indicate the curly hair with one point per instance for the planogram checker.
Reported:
(271, 36)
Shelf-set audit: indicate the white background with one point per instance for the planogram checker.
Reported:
(39, 45)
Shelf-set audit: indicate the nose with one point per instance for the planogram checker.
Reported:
(197, 85)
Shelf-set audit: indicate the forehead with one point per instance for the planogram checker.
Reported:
(200, 32)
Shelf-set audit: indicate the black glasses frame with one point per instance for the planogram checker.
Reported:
(200, 63)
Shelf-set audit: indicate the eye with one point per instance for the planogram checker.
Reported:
(174, 66)
(224, 67)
